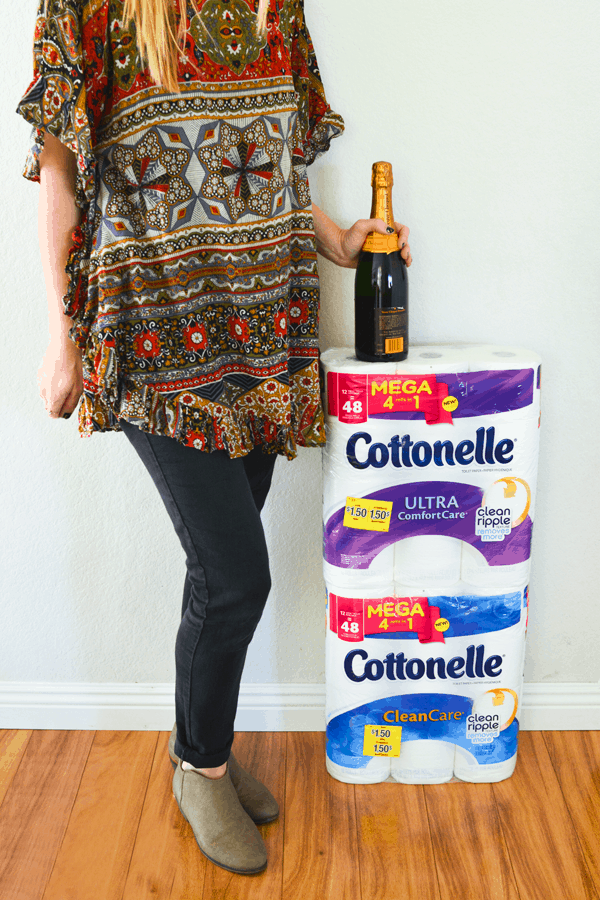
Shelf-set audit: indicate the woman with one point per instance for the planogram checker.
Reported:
(179, 245)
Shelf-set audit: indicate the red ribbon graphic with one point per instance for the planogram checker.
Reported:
(351, 618)
(353, 398)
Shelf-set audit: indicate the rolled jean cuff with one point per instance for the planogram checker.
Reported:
(201, 760)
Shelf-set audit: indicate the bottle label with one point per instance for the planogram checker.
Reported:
(390, 331)
(381, 243)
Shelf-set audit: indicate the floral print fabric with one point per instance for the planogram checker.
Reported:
(193, 283)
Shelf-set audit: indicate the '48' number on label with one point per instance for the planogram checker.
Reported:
(352, 406)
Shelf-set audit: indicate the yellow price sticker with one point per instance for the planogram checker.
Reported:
(441, 624)
(370, 515)
(382, 740)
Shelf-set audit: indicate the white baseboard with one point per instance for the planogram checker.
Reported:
(261, 707)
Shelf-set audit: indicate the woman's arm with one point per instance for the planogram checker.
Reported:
(343, 245)
(60, 375)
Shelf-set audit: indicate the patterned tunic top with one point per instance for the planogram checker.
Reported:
(193, 283)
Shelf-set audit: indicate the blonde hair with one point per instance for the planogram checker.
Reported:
(157, 43)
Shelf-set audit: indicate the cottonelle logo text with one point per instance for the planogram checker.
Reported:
(395, 666)
(402, 452)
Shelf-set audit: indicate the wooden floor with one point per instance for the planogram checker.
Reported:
(90, 816)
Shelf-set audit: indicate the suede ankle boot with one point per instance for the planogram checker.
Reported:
(256, 799)
(225, 834)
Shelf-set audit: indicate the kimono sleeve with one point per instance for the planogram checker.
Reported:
(66, 99)
(319, 124)
(56, 101)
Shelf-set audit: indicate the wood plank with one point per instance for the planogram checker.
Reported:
(542, 843)
(264, 755)
(575, 756)
(36, 810)
(395, 854)
(166, 863)
(12, 748)
(94, 857)
(320, 843)
(471, 857)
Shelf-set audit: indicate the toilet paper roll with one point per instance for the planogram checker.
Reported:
(427, 560)
(476, 573)
(360, 553)
(349, 754)
(340, 693)
(379, 572)
(482, 612)
(343, 359)
(492, 728)
(372, 590)
(432, 359)
(524, 384)
(348, 445)
(424, 762)
(466, 768)
(376, 771)
(499, 356)
(345, 758)
(346, 619)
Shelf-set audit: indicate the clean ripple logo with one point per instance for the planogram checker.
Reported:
(401, 452)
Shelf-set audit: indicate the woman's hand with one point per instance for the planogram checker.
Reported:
(343, 245)
(60, 378)
(353, 238)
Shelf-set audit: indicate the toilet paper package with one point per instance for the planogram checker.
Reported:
(423, 689)
(430, 474)
(438, 464)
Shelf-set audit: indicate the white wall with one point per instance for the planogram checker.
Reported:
(489, 113)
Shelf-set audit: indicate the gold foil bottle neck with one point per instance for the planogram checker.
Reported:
(381, 183)
(382, 175)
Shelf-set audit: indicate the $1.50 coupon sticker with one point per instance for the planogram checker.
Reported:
(382, 740)
(371, 515)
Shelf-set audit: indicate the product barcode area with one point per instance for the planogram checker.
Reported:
(394, 345)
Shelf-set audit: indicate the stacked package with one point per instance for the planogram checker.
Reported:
(430, 476)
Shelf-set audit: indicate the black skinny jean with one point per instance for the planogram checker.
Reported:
(214, 503)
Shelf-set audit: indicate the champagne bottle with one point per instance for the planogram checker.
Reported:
(381, 283)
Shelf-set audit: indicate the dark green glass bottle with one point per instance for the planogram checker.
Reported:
(381, 283)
